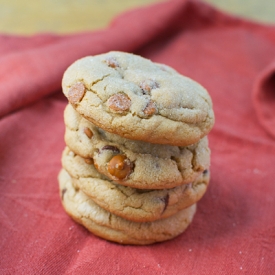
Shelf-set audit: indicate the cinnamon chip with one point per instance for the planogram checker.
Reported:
(88, 132)
(76, 93)
(89, 161)
(119, 102)
(120, 167)
(112, 62)
(151, 108)
(148, 85)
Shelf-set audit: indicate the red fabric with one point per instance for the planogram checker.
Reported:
(234, 229)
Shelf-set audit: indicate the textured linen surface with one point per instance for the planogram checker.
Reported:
(233, 231)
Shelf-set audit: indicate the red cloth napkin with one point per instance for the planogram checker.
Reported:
(234, 229)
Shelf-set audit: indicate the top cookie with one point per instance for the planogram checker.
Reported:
(133, 97)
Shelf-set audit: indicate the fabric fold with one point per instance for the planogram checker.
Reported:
(36, 70)
(231, 58)
(33, 72)
(263, 97)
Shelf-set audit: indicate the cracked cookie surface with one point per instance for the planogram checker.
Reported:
(138, 99)
(113, 228)
(130, 203)
(132, 163)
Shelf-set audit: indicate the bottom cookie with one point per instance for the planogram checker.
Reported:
(132, 204)
(113, 228)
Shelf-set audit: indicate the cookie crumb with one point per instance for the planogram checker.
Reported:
(71, 154)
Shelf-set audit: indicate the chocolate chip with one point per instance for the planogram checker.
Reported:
(111, 148)
(205, 172)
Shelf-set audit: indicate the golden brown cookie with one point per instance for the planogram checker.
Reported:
(137, 99)
(113, 228)
(131, 203)
(137, 164)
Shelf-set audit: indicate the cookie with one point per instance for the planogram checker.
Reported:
(130, 203)
(137, 164)
(138, 99)
(113, 228)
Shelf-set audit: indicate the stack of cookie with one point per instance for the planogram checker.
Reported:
(137, 159)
